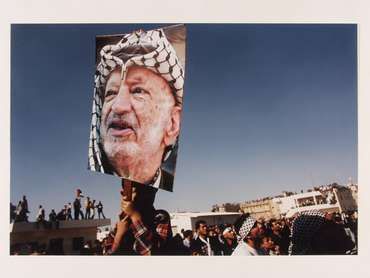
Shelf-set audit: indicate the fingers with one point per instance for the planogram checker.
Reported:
(127, 204)
(133, 193)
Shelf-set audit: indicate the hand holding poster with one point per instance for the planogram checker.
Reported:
(137, 105)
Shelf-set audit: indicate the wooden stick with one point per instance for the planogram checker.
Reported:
(127, 189)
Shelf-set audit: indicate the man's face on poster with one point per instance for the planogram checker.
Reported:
(139, 119)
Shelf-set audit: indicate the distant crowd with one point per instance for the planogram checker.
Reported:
(309, 233)
(20, 212)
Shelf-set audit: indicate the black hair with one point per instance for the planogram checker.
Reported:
(197, 224)
(187, 233)
(239, 222)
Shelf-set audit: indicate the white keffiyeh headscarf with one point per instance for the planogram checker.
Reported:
(246, 227)
(149, 49)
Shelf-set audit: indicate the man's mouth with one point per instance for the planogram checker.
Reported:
(120, 128)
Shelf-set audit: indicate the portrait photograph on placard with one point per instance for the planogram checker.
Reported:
(184, 139)
(137, 138)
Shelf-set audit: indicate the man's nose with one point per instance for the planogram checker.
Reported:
(122, 102)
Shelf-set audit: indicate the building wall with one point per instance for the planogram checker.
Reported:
(346, 200)
(227, 207)
(187, 221)
(27, 232)
(266, 209)
(179, 222)
(44, 237)
(354, 191)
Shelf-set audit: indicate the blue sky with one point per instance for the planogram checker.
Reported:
(267, 108)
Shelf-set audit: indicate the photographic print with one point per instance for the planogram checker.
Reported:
(140, 141)
(267, 163)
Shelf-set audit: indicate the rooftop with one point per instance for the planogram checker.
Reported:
(197, 214)
(20, 227)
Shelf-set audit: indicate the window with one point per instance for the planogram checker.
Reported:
(77, 243)
(56, 246)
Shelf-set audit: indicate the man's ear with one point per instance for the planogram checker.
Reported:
(173, 126)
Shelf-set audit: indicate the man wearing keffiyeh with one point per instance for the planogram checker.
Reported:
(313, 233)
(135, 127)
(137, 108)
(249, 236)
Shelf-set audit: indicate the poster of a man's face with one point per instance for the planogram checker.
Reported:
(137, 105)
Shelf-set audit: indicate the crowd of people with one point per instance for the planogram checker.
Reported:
(20, 212)
(309, 233)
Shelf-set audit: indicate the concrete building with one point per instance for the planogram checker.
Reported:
(331, 198)
(354, 190)
(67, 239)
(346, 200)
(186, 220)
(264, 208)
(227, 207)
(326, 198)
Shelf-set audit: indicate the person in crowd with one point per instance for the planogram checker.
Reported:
(276, 236)
(25, 204)
(92, 209)
(108, 243)
(142, 230)
(18, 211)
(13, 213)
(22, 210)
(176, 246)
(61, 215)
(53, 219)
(213, 237)
(69, 211)
(201, 244)
(285, 237)
(267, 246)
(314, 234)
(40, 219)
(98, 249)
(188, 237)
(100, 209)
(79, 194)
(228, 241)
(77, 209)
(351, 224)
(87, 208)
(249, 236)
(65, 211)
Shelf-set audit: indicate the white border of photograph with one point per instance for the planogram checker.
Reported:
(225, 11)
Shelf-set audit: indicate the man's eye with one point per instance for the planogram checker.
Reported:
(110, 93)
(138, 90)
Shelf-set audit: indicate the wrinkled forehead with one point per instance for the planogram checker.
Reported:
(155, 51)
(137, 75)
(141, 77)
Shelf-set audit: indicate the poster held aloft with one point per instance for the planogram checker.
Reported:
(136, 113)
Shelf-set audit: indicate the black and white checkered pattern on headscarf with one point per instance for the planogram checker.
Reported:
(246, 227)
(304, 227)
(149, 49)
